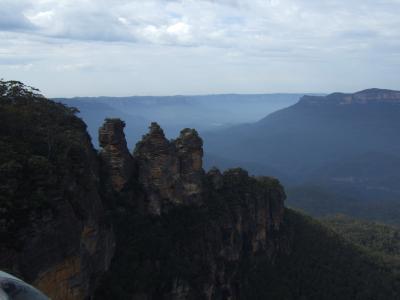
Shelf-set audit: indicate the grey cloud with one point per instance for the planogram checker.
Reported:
(226, 23)
(12, 18)
(155, 43)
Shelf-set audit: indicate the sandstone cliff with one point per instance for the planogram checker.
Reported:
(170, 171)
(177, 232)
(191, 233)
(53, 228)
(117, 163)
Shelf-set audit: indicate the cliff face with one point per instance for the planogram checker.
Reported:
(65, 248)
(53, 227)
(192, 232)
(117, 163)
(179, 233)
(170, 171)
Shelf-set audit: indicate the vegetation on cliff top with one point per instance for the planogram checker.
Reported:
(40, 142)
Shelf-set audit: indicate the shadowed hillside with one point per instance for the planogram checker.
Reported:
(346, 145)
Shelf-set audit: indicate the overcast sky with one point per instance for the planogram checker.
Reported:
(164, 47)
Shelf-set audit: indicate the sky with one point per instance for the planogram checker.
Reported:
(166, 47)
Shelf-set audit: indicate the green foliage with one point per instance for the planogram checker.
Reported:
(239, 189)
(320, 265)
(381, 241)
(375, 236)
(40, 142)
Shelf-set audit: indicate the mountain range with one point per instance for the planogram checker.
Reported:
(173, 113)
(344, 145)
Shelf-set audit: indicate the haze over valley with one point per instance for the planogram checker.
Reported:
(335, 154)
(205, 113)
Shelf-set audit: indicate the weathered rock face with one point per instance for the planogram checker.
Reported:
(117, 163)
(256, 210)
(66, 248)
(53, 227)
(189, 151)
(250, 212)
(180, 233)
(196, 230)
(170, 172)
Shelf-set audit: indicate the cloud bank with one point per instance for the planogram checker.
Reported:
(200, 46)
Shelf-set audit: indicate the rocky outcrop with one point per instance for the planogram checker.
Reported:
(255, 212)
(54, 230)
(65, 249)
(170, 171)
(117, 163)
(196, 230)
(189, 151)
(250, 213)
(179, 233)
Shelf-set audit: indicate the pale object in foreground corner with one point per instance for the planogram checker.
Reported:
(12, 288)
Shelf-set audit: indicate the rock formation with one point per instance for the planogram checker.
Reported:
(232, 217)
(59, 239)
(170, 171)
(189, 150)
(117, 163)
(247, 226)
(178, 233)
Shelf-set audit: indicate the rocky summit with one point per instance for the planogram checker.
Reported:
(117, 163)
(170, 171)
(232, 216)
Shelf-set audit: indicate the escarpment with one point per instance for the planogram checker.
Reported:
(54, 230)
(193, 231)
(150, 224)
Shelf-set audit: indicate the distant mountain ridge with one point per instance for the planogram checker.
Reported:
(368, 96)
(312, 141)
(203, 112)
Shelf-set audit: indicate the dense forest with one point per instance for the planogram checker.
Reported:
(40, 143)
(378, 239)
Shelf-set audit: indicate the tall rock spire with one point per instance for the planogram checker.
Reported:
(116, 160)
(189, 151)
